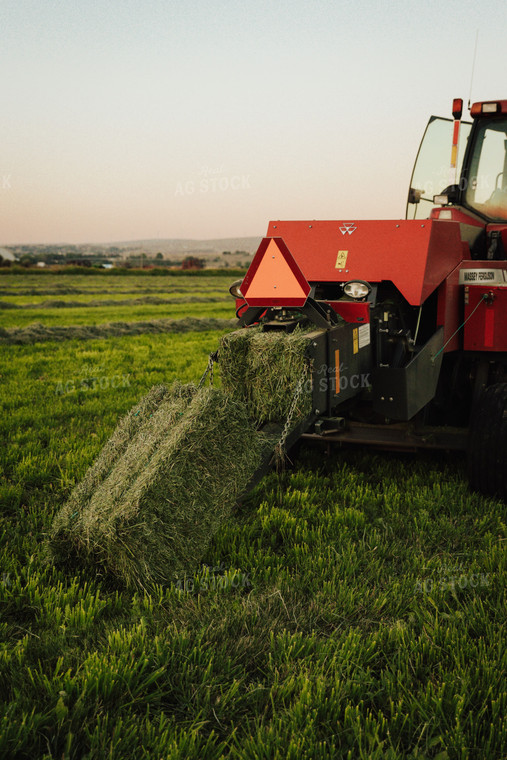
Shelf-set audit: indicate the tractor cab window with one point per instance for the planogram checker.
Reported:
(486, 188)
(432, 173)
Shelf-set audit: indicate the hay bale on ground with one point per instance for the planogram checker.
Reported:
(103, 467)
(177, 463)
(263, 369)
(156, 522)
(138, 454)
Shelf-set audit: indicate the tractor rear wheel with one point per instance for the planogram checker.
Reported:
(487, 445)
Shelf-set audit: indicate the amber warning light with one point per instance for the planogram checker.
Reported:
(274, 278)
(457, 108)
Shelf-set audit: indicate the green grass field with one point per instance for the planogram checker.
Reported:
(354, 607)
(95, 299)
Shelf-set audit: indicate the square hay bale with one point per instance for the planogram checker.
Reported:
(150, 518)
(112, 450)
(263, 369)
(233, 361)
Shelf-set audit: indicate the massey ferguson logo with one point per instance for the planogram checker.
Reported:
(347, 228)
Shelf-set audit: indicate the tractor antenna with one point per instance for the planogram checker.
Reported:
(473, 69)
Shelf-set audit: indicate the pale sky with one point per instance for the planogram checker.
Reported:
(162, 119)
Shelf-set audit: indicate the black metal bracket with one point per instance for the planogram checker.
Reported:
(251, 315)
(320, 314)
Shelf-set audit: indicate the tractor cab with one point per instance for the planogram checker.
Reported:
(486, 186)
(472, 190)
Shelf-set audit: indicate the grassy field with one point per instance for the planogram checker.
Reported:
(354, 607)
(95, 299)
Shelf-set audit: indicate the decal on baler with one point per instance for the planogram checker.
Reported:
(361, 337)
(341, 260)
(364, 335)
(482, 276)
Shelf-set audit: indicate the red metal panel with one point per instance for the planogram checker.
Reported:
(486, 329)
(456, 214)
(352, 311)
(450, 298)
(416, 256)
(489, 326)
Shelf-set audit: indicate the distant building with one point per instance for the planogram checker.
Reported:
(7, 255)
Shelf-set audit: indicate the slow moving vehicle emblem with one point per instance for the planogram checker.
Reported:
(347, 228)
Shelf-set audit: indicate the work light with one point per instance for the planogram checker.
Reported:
(357, 289)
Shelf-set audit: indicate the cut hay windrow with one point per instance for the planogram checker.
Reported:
(147, 515)
(97, 303)
(91, 290)
(39, 333)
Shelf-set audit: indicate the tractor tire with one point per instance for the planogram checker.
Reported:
(487, 443)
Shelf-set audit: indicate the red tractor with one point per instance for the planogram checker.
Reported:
(410, 345)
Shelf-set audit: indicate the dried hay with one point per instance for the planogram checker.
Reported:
(263, 370)
(167, 479)
(38, 333)
(175, 466)
(97, 303)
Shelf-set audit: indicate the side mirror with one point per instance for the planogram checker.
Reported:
(414, 196)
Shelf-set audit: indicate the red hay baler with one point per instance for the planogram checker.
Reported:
(411, 315)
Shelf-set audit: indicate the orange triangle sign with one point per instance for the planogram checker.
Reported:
(274, 278)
